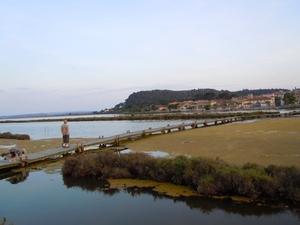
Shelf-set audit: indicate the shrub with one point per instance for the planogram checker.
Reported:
(288, 179)
(266, 186)
(207, 176)
(162, 170)
(69, 165)
(119, 173)
(138, 164)
(179, 167)
(207, 185)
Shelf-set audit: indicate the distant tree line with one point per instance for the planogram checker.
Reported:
(164, 97)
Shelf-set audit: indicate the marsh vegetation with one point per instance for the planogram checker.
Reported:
(207, 176)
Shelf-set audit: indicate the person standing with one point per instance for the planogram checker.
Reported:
(65, 134)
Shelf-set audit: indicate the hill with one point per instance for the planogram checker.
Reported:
(164, 97)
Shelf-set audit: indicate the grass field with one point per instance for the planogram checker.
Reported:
(264, 142)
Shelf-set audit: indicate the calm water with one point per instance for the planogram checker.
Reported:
(51, 199)
(89, 129)
(42, 198)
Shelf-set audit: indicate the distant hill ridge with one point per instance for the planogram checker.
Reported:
(166, 96)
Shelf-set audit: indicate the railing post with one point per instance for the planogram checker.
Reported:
(82, 147)
(78, 149)
(144, 134)
(21, 163)
(26, 161)
(117, 140)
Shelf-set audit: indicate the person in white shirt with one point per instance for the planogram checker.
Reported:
(65, 134)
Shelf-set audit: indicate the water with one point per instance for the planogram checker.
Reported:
(86, 129)
(44, 199)
(57, 117)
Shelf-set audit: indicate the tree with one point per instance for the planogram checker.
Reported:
(209, 96)
(233, 95)
(289, 98)
(208, 105)
(277, 101)
(224, 96)
(173, 106)
(153, 107)
(199, 96)
(163, 102)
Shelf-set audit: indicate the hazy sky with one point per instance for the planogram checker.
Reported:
(91, 55)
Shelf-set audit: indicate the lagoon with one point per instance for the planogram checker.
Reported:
(40, 197)
(44, 198)
(83, 129)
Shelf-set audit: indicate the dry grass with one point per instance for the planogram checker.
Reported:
(265, 142)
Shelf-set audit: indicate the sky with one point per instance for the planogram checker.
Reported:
(90, 55)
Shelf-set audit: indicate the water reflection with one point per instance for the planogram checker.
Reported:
(90, 184)
(15, 177)
(20, 177)
(67, 200)
(203, 204)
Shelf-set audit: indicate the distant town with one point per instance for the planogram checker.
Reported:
(248, 102)
(278, 99)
